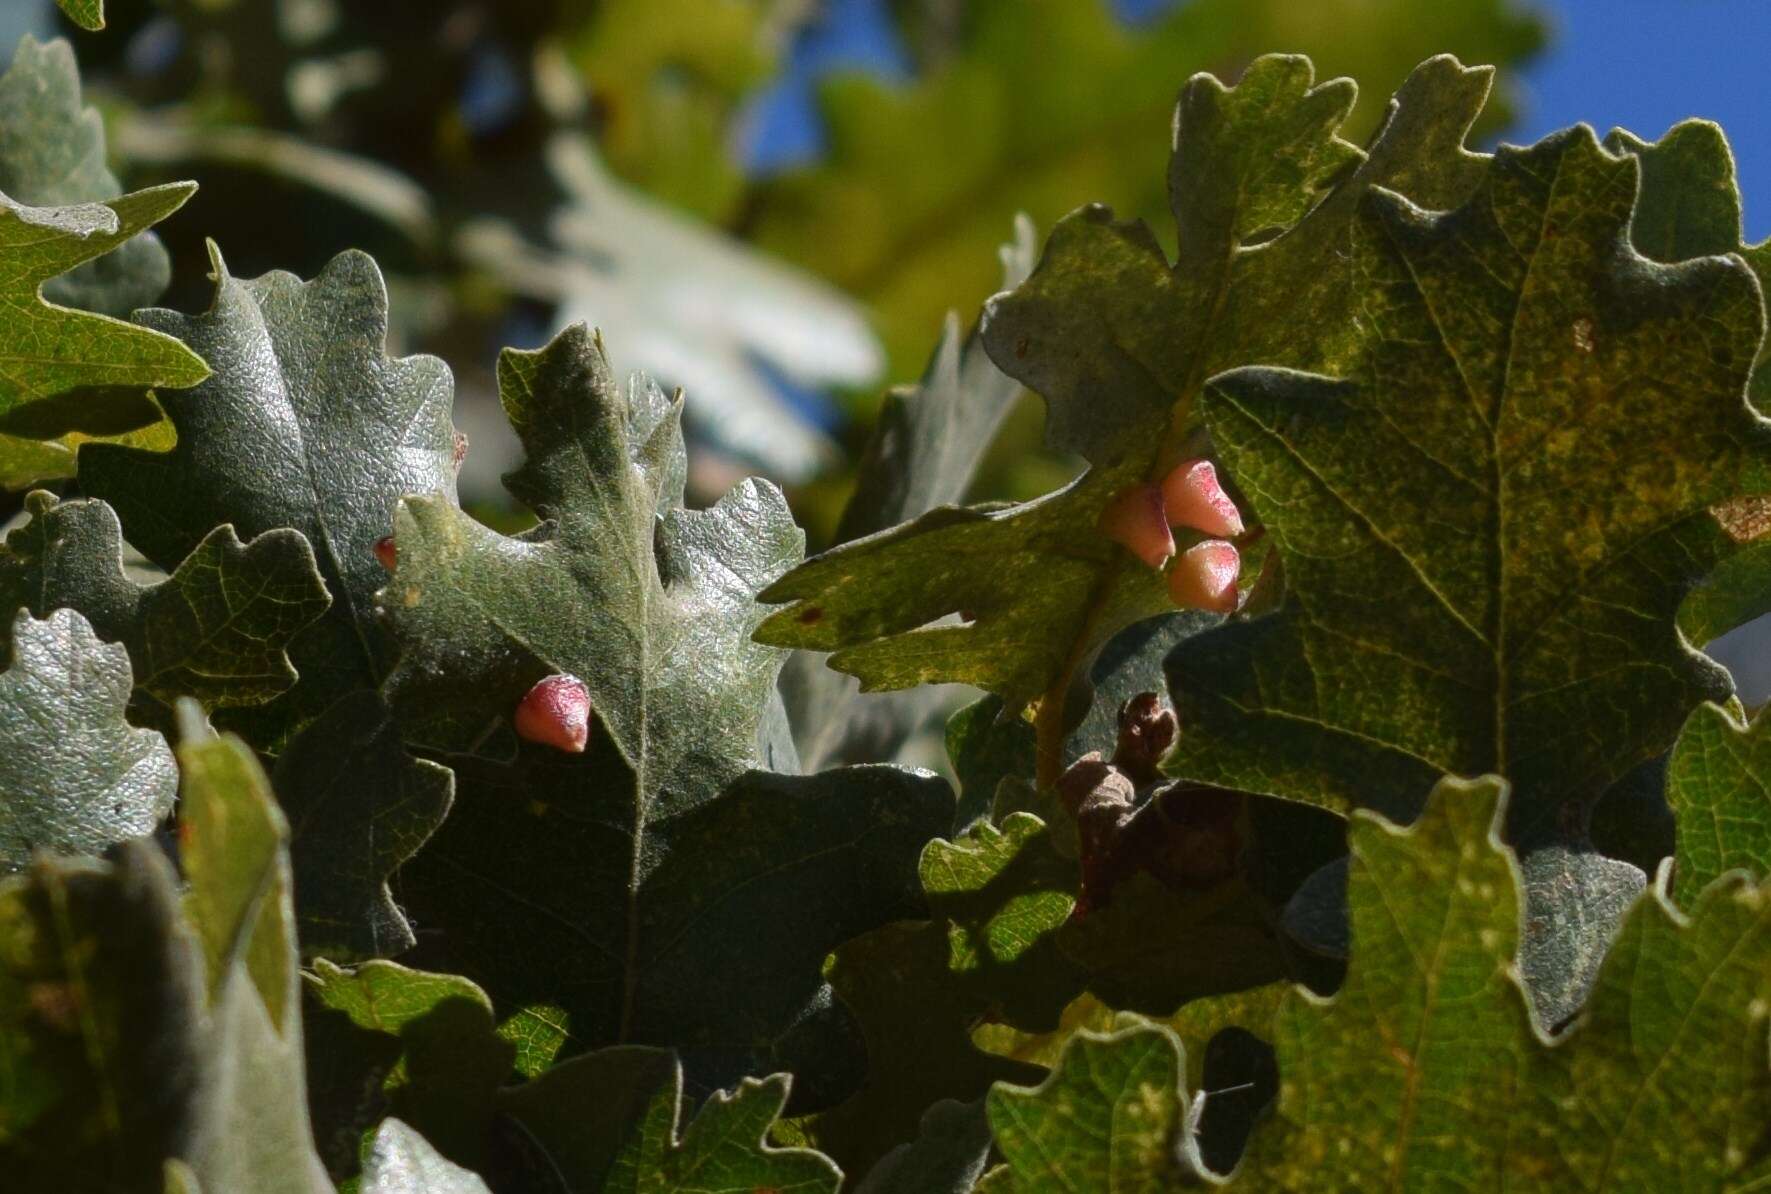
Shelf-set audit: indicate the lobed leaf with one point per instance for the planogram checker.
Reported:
(75, 778)
(924, 452)
(147, 1034)
(1426, 1070)
(1716, 785)
(305, 424)
(68, 376)
(1488, 521)
(308, 430)
(1119, 341)
(998, 123)
(610, 884)
(217, 629)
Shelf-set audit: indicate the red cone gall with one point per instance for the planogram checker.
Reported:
(1134, 519)
(1205, 577)
(386, 552)
(556, 713)
(1192, 497)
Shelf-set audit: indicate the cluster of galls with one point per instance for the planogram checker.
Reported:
(1140, 518)
(1185, 835)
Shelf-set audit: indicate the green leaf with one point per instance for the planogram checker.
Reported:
(74, 776)
(1005, 892)
(50, 350)
(584, 1112)
(1109, 1110)
(306, 424)
(924, 452)
(44, 447)
(1427, 1070)
(250, 1128)
(1688, 205)
(142, 1035)
(607, 884)
(604, 1120)
(97, 980)
(723, 1150)
(216, 629)
(360, 807)
(999, 123)
(917, 989)
(88, 14)
(52, 152)
(1716, 784)
(1488, 523)
(916, 1016)
(403, 1162)
(424, 1044)
(1119, 341)
(68, 368)
(1195, 1024)
(1188, 916)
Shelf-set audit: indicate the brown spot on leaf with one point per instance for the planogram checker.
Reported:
(57, 1004)
(810, 614)
(1745, 519)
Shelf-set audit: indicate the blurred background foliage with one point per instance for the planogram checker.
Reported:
(772, 203)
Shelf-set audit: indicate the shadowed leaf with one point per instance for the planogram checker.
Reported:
(607, 884)
(216, 629)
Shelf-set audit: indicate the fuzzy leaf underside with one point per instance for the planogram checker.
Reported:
(1118, 340)
(403, 1162)
(1488, 522)
(250, 1127)
(75, 778)
(1426, 1069)
(669, 854)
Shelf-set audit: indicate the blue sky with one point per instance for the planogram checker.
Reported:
(1642, 64)
(1647, 64)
